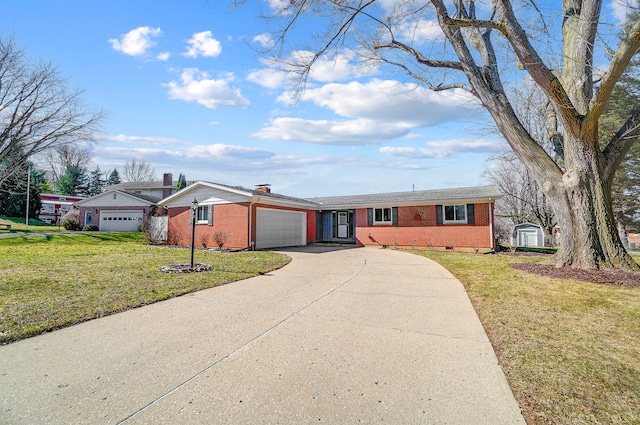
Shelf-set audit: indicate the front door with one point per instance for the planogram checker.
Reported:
(343, 224)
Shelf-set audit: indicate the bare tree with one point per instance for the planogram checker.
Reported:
(138, 171)
(37, 111)
(61, 158)
(475, 46)
(523, 201)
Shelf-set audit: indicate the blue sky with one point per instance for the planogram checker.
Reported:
(184, 89)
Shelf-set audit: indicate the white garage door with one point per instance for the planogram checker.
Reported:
(120, 221)
(280, 228)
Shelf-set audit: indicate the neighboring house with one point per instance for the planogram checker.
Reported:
(54, 206)
(116, 210)
(634, 240)
(527, 234)
(258, 219)
(157, 189)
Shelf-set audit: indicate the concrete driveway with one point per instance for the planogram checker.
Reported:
(338, 336)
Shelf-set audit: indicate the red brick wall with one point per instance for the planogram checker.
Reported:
(230, 218)
(417, 227)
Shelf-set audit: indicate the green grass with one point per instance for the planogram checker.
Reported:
(570, 350)
(18, 225)
(49, 282)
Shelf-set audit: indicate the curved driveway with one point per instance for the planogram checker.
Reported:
(338, 336)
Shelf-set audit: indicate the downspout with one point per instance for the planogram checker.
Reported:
(250, 243)
(491, 235)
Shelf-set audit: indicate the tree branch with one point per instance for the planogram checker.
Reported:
(620, 61)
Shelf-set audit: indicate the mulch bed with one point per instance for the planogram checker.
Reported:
(186, 268)
(612, 277)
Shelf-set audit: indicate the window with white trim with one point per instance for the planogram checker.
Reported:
(202, 216)
(383, 215)
(455, 213)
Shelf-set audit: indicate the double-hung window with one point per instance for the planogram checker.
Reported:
(455, 213)
(202, 215)
(383, 215)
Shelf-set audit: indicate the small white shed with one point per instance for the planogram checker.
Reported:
(527, 234)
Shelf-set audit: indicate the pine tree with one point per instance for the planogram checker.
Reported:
(182, 182)
(73, 182)
(96, 182)
(114, 178)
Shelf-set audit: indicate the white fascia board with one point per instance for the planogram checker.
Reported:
(278, 202)
(199, 189)
(415, 203)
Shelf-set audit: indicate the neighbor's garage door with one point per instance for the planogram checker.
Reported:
(280, 228)
(120, 221)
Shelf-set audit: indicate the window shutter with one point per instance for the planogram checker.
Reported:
(394, 216)
(439, 219)
(369, 216)
(471, 219)
(210, 218)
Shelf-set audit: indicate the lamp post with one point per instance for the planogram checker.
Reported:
(194, 213)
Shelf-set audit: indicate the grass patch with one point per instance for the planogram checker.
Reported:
(18, 225)
(570, 350)
(52, 281)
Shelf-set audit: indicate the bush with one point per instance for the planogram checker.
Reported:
(90, 228)
(71, 223)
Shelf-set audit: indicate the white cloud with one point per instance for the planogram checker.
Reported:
(420, 31)
(619, 10)
(227, 151)
(270, 78)
(265, 40)
(203, 44)
(376, 111)
(164, 56)
(196, 86)
(340, 67)
(327, 132)
(445, 148)
(391, 101)
(121, 138)
(136, 42)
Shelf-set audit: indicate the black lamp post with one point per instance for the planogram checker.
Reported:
(194, 213)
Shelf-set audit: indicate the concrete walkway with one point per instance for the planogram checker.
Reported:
(339, 336)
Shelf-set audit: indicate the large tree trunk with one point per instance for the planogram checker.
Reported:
(582, 202)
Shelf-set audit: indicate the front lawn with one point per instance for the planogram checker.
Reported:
(18, 225)
(48, 282)
(570, 350)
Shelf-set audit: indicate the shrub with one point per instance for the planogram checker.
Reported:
(204, 239)
(71, 223)
(90, 228)
(220, 237)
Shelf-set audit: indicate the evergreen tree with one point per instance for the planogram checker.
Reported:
(182, 182)
(73, 182)
(114, 178)
(13, 193)
(96, 182)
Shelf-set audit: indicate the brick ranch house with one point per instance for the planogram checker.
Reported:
(460, 219)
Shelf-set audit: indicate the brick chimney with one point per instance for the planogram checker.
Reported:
(167, 184)
(263, 188)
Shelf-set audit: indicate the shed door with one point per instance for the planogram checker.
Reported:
(528, 238)
(280, 228)
(120, 221)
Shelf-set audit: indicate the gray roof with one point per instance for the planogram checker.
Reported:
(138, 185)
(257, 192)
(413, 197)
(147, 198)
